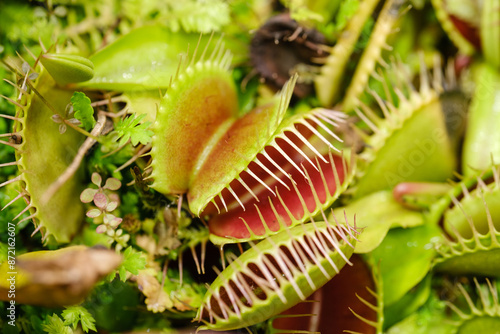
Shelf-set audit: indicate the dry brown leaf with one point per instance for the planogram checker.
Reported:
(58, 278)
(157, 299)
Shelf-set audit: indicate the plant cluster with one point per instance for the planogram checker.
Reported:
(281, 166)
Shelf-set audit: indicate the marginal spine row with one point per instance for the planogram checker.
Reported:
(480, 241)
(292, 146)
(272, 270)
(27, 75)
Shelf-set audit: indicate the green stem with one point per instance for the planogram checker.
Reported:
(372, 54)
(329, 81)
(82, 131)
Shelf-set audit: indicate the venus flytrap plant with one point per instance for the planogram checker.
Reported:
(462, 250)
(272, 174)
(398, 151)
(36, 103)
(276, 273)
(472, 26)
(66, 68)
(261, 172)
(471, 222)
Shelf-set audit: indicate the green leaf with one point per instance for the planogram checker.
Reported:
(130, 128)
(74, 314)
(3, 252)
(377, 213)
(347, 9)
(54, 325)
(133, 261)
(68, 68)
(83, 110)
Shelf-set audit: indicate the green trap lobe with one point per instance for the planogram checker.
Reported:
(66, 68)
(231, 154)
(482, 139)
(377, 213)
(419, 150)
(45, 155)
(190, 116)
(271, 214)
(476, 262)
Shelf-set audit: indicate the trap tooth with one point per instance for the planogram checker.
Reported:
(276, 274)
